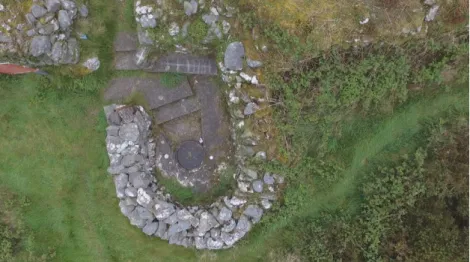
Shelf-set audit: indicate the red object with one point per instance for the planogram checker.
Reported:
(12, 69)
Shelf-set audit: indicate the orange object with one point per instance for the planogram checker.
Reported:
(12, 69)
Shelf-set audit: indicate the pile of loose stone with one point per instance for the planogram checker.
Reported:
(132, 159)
(149, 16)
(232, 74)
(46, 33)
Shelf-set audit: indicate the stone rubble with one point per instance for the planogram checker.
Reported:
(44, 37)
(147, 206)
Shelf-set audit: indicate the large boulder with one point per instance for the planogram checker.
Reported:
(129, 132)
(65, 21)
(52, 5)
(190, 8)
(234, 55)
(150, 228)
(38, 11)
(225, 214)
(206, 222)
(254, 212)
(40, 45)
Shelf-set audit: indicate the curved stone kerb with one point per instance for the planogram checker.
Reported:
(220, 225)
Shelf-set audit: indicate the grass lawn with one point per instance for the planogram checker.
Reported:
(53, 152)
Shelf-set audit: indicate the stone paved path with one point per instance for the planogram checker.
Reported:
(181, 113)
(215, 122)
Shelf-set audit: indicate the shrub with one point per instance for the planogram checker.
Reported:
(197, 31)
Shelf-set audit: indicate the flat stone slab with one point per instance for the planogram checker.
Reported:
(175, 110)
(125, 61)
(182, 63)
(214, 119)
(152, 90)
(184, 128)
(125, 42)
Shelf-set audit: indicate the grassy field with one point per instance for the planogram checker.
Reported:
(53, 152)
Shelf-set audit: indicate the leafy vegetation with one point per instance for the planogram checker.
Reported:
(197, 31)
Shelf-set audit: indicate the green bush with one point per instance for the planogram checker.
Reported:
(197, 31)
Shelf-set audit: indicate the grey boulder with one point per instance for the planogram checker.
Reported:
(214, 244)
(225, 214)
(129, 132)
(254, 212)
(431, 15)
(234, 55)
(254, 63)
(180, 226)
(68, 4)
(38, 11)
(250, 109)
(83, 10)
(148, 22)
(164, 210)
(65, 21)
(52, 5)
(257, 186)
(190, 8)
(150, 228)
(139, 180)
(268, 179)
(40, 45)
(206, 222)
(210, 19)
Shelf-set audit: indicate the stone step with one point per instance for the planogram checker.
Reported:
(177, 109)
(125, 42)
(182, 63)
(152, 90)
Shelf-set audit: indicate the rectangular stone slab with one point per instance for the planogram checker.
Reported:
(158, 95)
(215, 124)
(125, 42)
(182, 63)
(175, 110)
(153, 91)
(125, 61)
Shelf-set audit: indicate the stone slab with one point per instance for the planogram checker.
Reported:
(125, 61)
(184, 128)
(215, 124)
(175, 110)
(125, 42)
(153, 91)
(182, 63)
(158, 95)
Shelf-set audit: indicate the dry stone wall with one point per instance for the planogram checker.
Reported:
(44, 35)
(220, 225)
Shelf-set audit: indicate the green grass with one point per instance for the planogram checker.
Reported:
(187, 196)
(53, 152)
